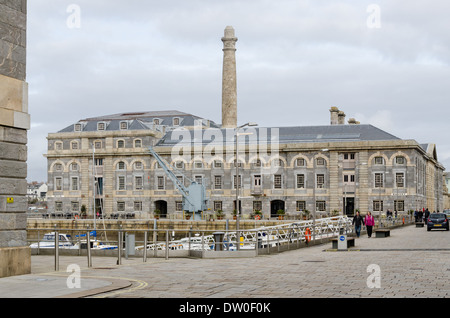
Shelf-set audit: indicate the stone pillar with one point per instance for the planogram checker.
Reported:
(229, 91)
(15, 256)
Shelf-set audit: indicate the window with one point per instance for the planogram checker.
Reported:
(300, 181)
(217, 205)
(180, 180)
(77, 127)
(257, 205)
(399, 205)
(257, 163)
(178, 205)
(300, 162)
(217, 164)
(198, 179)
(120, 144)
(349, 156)
(160, 184)
(123, 125)
(400, 160)
(74, 145)
(320, 161)
(58, 206)
(218, 182)
(198, 164)
(238, 163)
(75, 206)
(58, 184)
(349, 178)
(121, 165)
(121, 183)
(300, 205)
(98, 144)
(234, 182)
(277, 181)
(101, 126)
(138, 183)
(99, 161)
(379, 178)
(138, 143)
(74, 167)
(120, 206)
(400, 179)
(74, 184)
(378, 160)
(58, 145)
(176, 121)
(321, 206)
(138, 205)
(179, 165)
(378, 205)
(138, 165)
(320, 181)
(58, 167)
(156, 121)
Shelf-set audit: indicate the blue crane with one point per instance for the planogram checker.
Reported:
(194, 196)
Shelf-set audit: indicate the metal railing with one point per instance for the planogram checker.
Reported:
(180, 243)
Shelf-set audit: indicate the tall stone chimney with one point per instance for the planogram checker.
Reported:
(341, 118)
(334, 115)
(229, 91)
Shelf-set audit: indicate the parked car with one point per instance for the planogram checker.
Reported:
(437, 221)
(447, 212)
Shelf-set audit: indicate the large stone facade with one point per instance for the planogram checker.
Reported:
(14, 122)
(289, 168)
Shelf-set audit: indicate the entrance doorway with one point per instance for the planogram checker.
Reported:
(276, 205)
(349, 206)
(161, 205)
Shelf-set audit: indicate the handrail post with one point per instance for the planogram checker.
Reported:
(119, 246)
(56, 249)
(167, 244)
(145, 245)
(88, 241)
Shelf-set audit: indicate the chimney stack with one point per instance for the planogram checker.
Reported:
(334, 115)
(229, 91)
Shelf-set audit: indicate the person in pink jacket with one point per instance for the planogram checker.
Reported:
(369, 221)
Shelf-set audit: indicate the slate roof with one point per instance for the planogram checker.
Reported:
(139, 121)
(298, 134)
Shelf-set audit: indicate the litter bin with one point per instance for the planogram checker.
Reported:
(218, 241)
(130, 244)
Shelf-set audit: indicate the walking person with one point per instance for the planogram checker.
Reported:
(369, 221)
(357, 221)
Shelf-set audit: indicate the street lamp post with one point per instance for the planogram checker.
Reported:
(237, 183)
(314, 194)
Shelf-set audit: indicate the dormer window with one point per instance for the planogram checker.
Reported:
(101, 126)
(176, 121)
(78, 127)
(123, 125)
(156, 121)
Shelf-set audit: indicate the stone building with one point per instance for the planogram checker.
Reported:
(14, 123)
(335, 168)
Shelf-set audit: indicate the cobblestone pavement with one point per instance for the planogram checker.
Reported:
(410, 263)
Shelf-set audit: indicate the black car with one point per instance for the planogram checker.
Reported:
(437, 221)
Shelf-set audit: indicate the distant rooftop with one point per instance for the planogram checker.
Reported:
(156, 120)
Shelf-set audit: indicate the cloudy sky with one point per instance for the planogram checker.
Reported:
(383, 62)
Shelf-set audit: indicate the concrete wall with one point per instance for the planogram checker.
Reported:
(14, 122)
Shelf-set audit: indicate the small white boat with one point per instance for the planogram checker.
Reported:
(48, 241)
